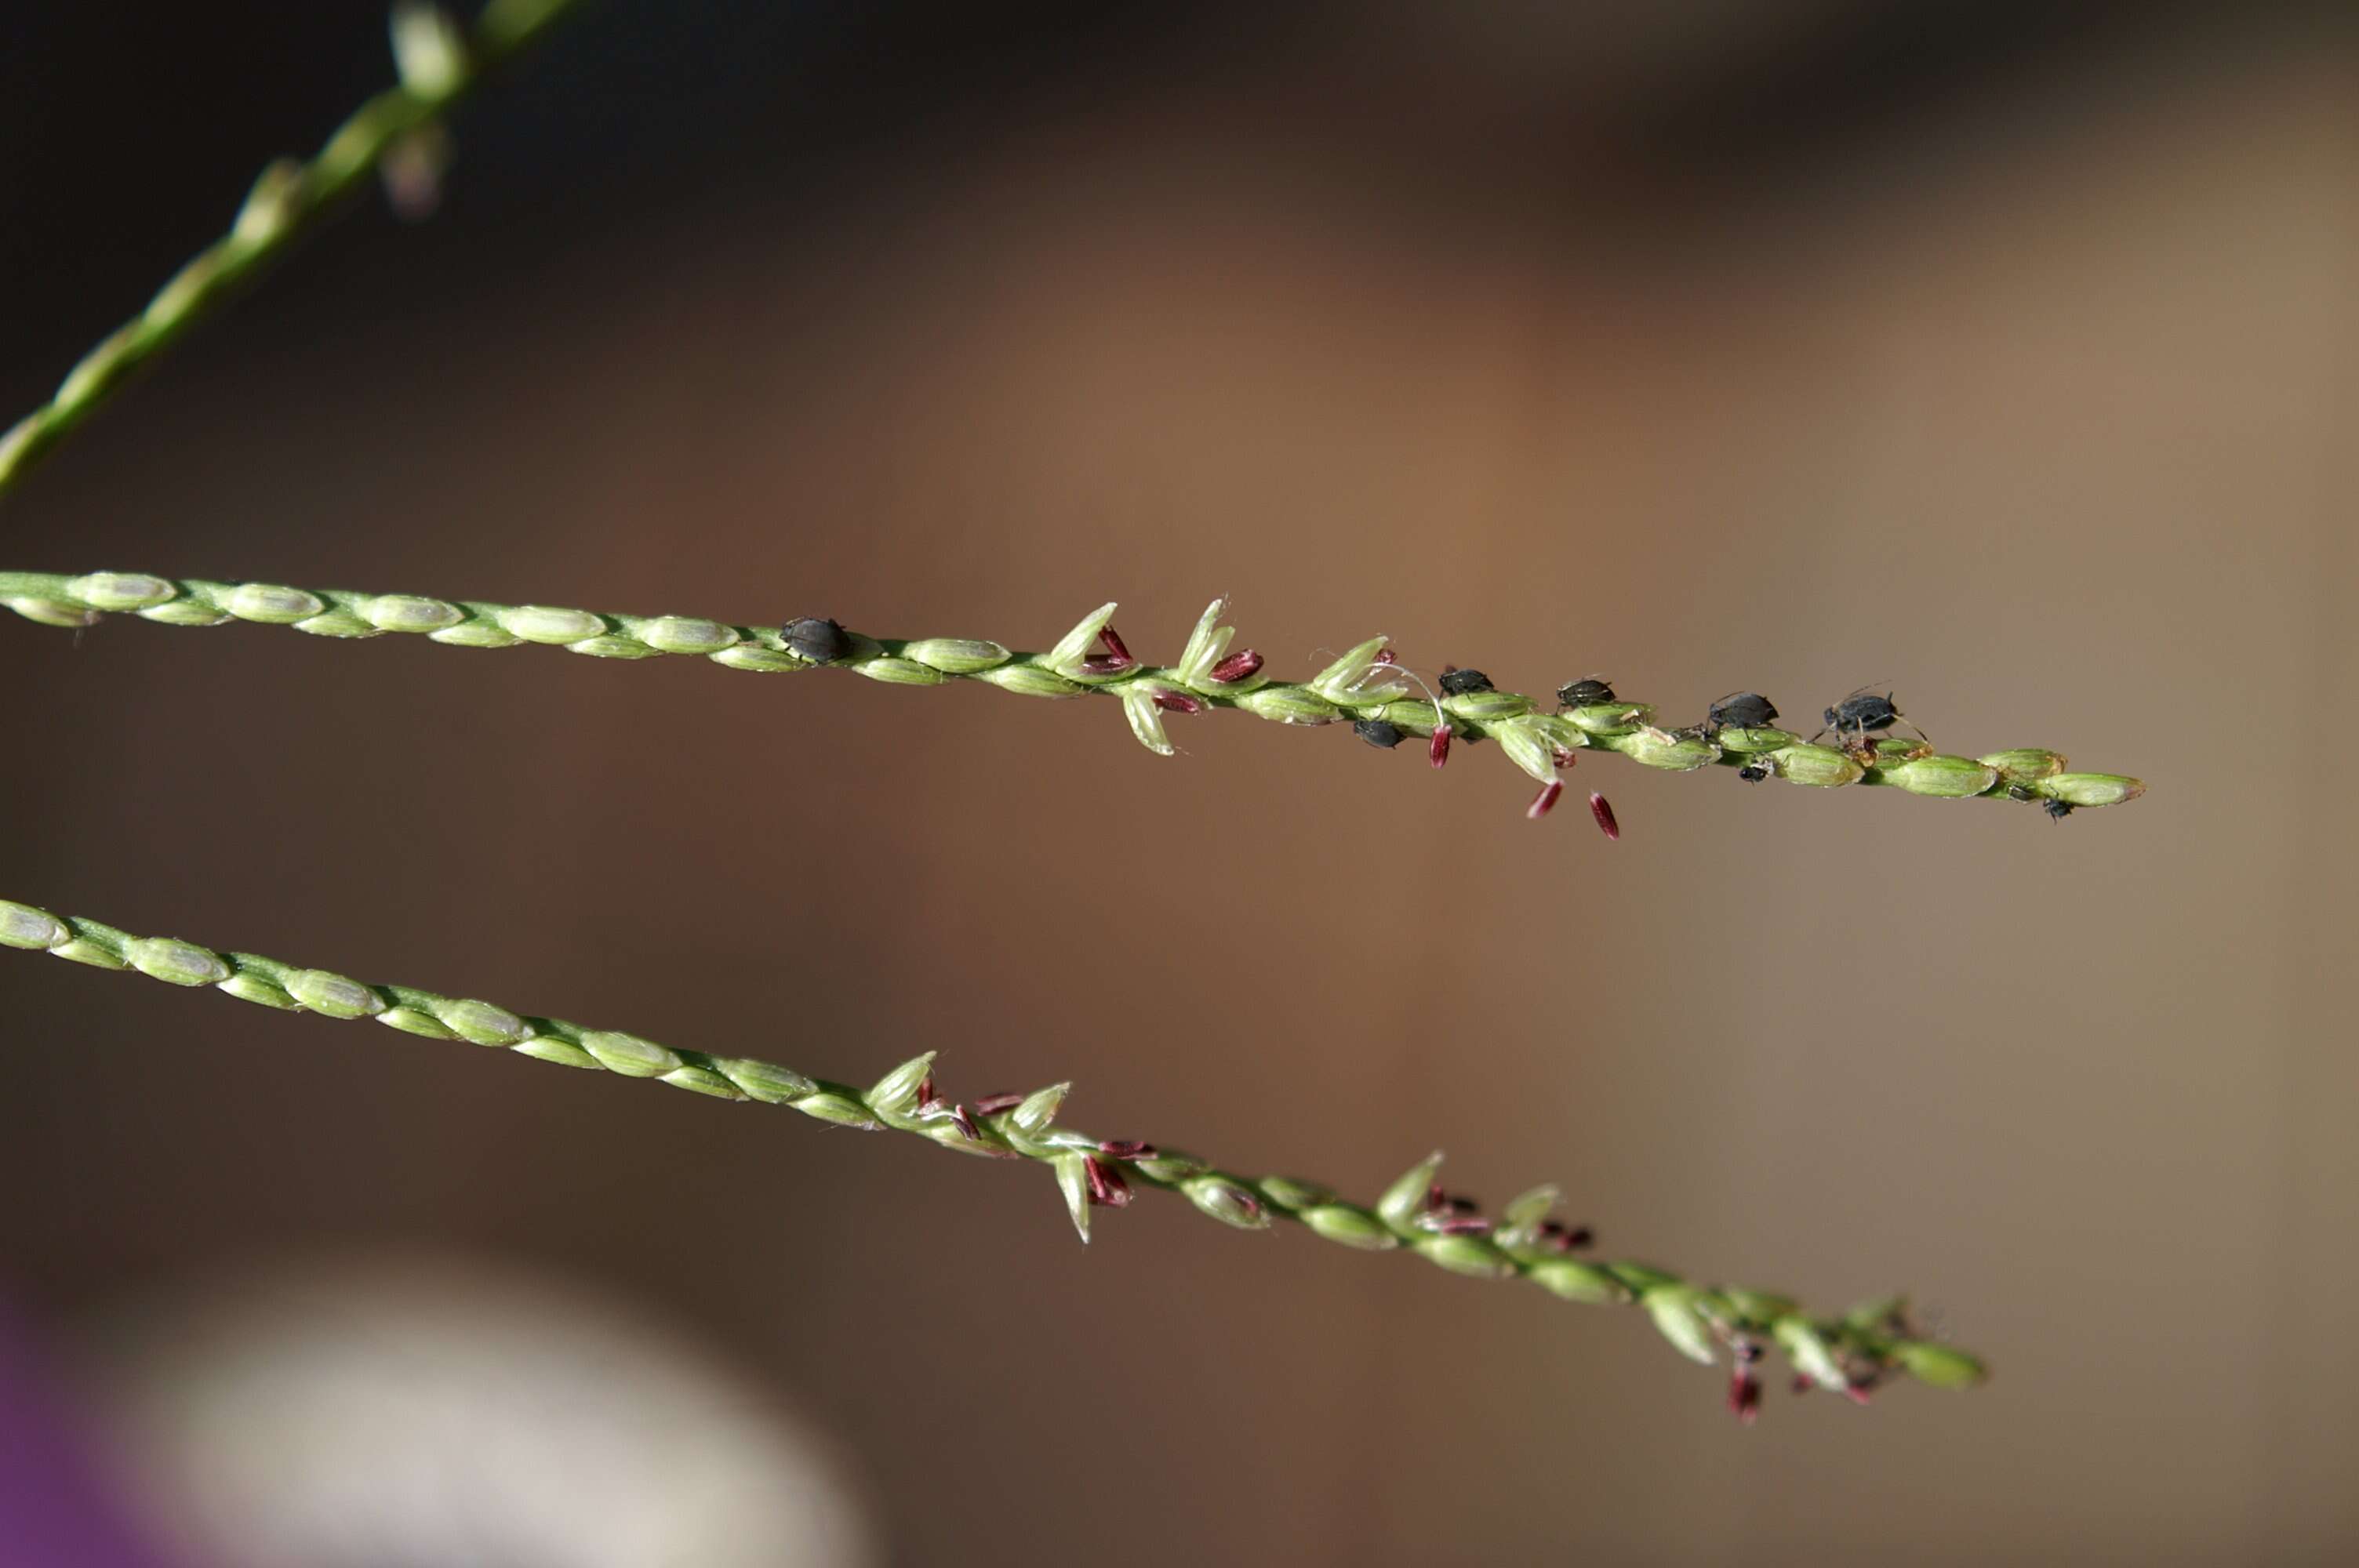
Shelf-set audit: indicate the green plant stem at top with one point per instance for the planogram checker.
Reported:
(440, 63)
(1852, 1354)
(1361, 685)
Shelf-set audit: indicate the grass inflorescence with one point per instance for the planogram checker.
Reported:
(1366, 688)
(1852, 1354)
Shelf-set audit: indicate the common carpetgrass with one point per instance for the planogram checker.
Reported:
(1367, 687)
(399, 134)
(1851, 1354)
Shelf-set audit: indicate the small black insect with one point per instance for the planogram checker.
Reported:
(1587, 692)
(1458, 683)
(2057, 809)
(1863, 713)
(1756, 770)
(819, 641)
(1378, 733)
(1740, 710)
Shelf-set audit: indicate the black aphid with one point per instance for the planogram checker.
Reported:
(1378, 733)
(1587, 692)
(1740, 710)
(1755, 771)
(1863, 714)
(818, 642)
(2058, 809)
(1458, 682)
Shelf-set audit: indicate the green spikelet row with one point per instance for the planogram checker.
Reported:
(1363, 685)
(1852, 1354)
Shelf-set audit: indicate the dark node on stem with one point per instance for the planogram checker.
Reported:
(1565, 1237)
(1740, 710)
(1377, 732)
(1243, 664)
(1456, 682)
(1863, 714)
(1587, 692)
(815, 641)
(1603, 809)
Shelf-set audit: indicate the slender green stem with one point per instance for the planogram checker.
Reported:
(1851, 1352)
(1363, 687)
(441, 63)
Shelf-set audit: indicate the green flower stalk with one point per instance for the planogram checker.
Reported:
(1366, 687)
(1852, 1354)
(398, 133)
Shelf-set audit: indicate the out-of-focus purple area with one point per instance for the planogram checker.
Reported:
(58, 1503)
(2006, 355)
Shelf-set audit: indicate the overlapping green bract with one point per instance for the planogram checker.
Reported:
(1364, 684)
(1708, 1324)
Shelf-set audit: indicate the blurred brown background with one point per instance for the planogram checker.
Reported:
(2003, 354)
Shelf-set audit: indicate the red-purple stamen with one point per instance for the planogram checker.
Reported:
(1744, 1394)
(1243, 664)
(1450, 1214)
(1127, 1149)
(1464, 1225)
(1113, 641)
(1106, 1186)
(1603, 809)
(1565, 1237)
(1439, 753)
(965, 1122)
(1545, 802)
(992, 1104)
(1177, 702)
